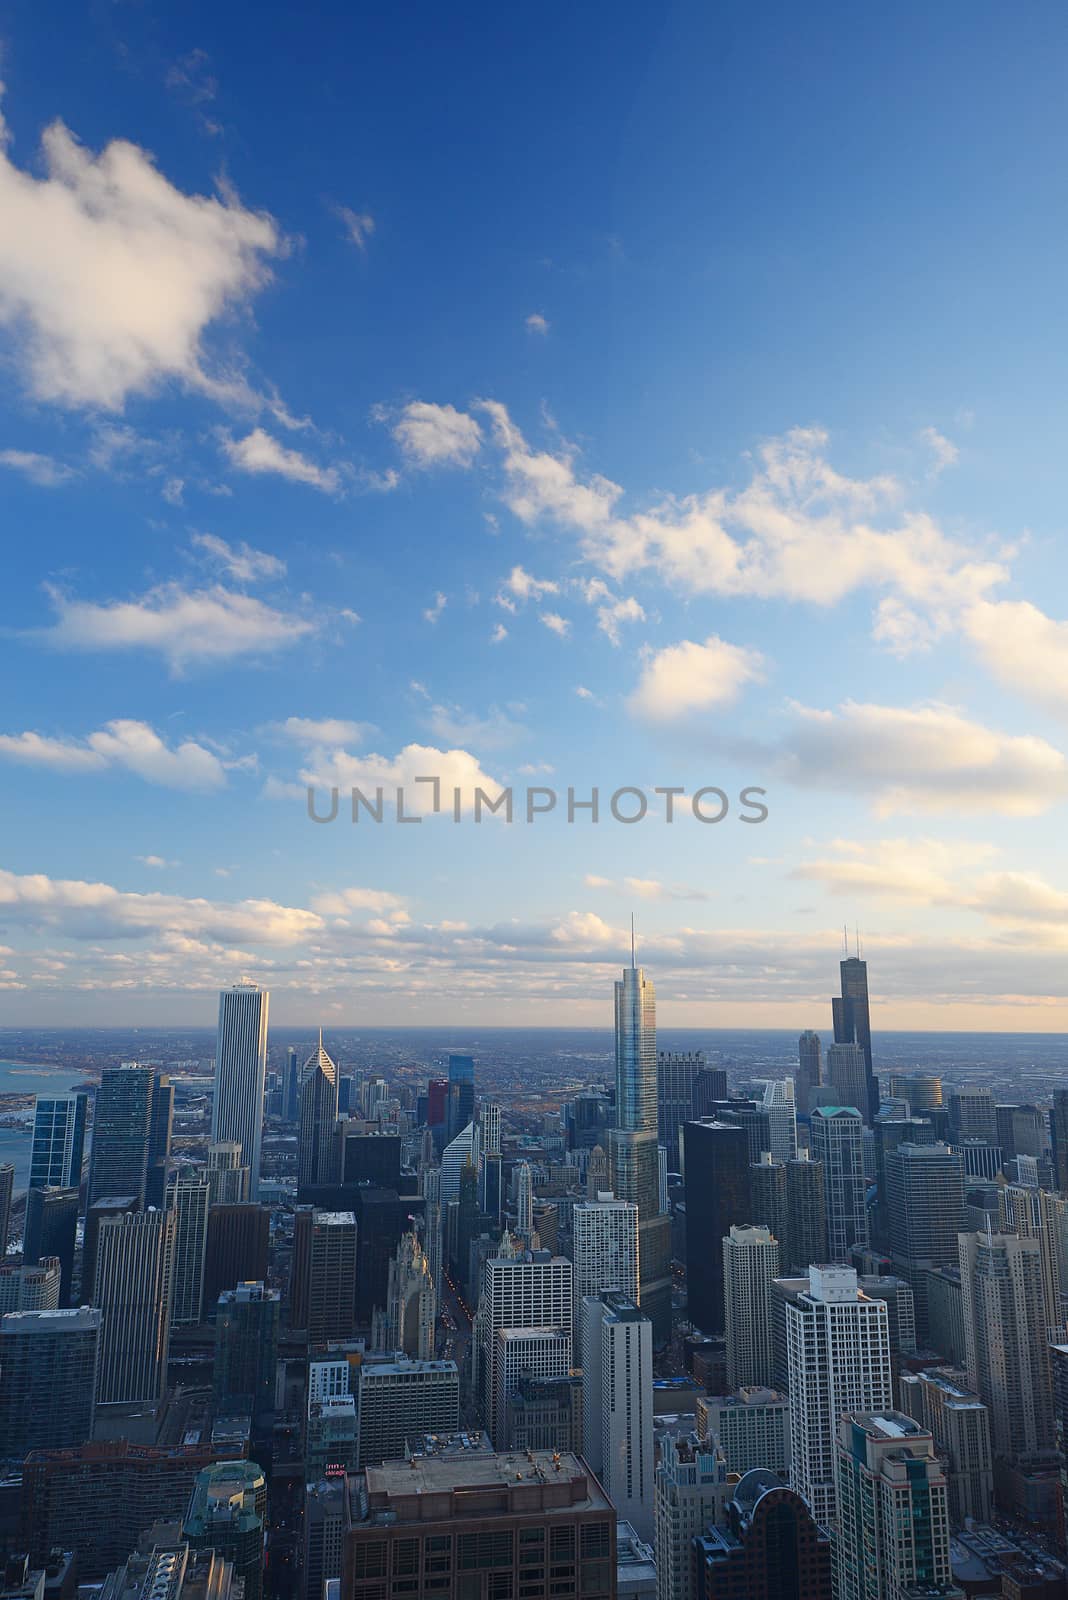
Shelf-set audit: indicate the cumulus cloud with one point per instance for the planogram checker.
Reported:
(520, 585)
(928, 758)
(684, 679)
(187, 627)
(342, 902)
(612, 615)
(554, 622)
(329, 768)
(44, 471)
(240, 562)
(358, 225)
(1023, 648)
(125, 744)
(323, 730)
(499, 634)
(110, 276)
(156, 862)
(260, 452)
(437, 436)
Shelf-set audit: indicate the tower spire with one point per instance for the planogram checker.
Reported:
(632, 939)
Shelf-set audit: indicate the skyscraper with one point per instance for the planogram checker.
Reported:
(691, 1491)
(318, 1116)
(778, 1103)
(837, 1134)
(769, 1545)
(1058, 1132)
(246, 1349)
(134, 1267)
(847, 1076)
(750, 1263)
(634, 1143)
(925, 1213)
(409, 1317)
(617, 1405)
(520, 1289)
(122, 1123)
(838, 1360)
(604, 1248)
(188, 1197)
(524, 1189)
(226, 1514)
(959, 1423)
(7, 1190)
(48, 1379)
(159, 1140)
(852, 1022)
(461, 1101)
(236, 1252)
(892, 1533)
(809, 1074)
(58, 1141)
(717, 1194)
(325, 1256)
(676, 1073)
(402, 1400)
(1006, 1340)
(226, 1177)
(240, 1074)
(51, 1230)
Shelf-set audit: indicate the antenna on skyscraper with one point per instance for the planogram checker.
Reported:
(632, 938)
(856, 930)
(845, 939)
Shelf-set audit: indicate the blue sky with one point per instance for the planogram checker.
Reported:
(579, 397)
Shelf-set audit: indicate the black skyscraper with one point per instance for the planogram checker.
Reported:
(122, 1133)
(1058, 1129)
(717, 1195)
(51, 1228)
(852, 1018)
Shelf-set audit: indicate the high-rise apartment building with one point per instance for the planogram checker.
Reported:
(159, 1140)
(520, 1289)
(778, 1104)
(892, 1533)
(122, 1128)
(634, 1143)
(717, 1195)
(58, 1141)
(134, 1277)
(924, 1213)
(809, 1075)
(838, 1361)
(188, 1197)
(227, 1511)
(750, 1264)
(240, 1074)
(617, 1405)
(751, 1426)
(227, 1178)
(402, 1401)
(691, 1492)
(837, 1135)
(518, 1354)
(1006, 1340)
(676, 1073)
(318, 1118)
(1058, 1134)
(247, 1326)
(29, 1288)
(852, 1022)
(959, 1423)
(604, 1248)
(48, 1379)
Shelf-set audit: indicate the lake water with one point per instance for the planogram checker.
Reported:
(20, 1077)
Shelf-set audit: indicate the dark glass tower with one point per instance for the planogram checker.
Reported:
(51, 1229)
(58, 1140)
(634, 1143)
(852, 1019)
(676, 1073)
(122, 1132)
(717, 1195)
(318, 1115)
(809, 1071)
(461, 1108)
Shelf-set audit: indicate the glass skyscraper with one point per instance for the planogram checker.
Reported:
(240, 1074)
(852, 1021)
(58, 1141)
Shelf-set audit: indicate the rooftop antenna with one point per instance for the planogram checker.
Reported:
(845, 939)
(632, 938)
(856, 930)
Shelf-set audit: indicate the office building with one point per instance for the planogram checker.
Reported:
(188, 1197)
(520, 1289)
(517, 1354)
(690, 1492)
(1005, 1339)
(838, 1360)
(236, 1249)
(617, 1404)
(633, 1144)
(240, 1074)
(925, 1212)
(972, 1115)
(28, 1288)
(923, 1091)
(51, 1230)
(48, 1379)
(717, 1195)
(409, 1318)
(58, 1141)
(604, 1247)
(291, 1087)
(97, 1214)
(430, 1184)
(1058, 1134)
(159, 1140)
(402, 1400)
(458, 1510)
(461, 1094)
(324, 1535)
(852, 1024)
(892, 1533)
(837, 1136)
(959, 1423)
(709, 1089)
(122, 1127)
(459, 1153)
(227, 1179)
(809, 1075)
(750, 1264)
(752, 1116)
(324, 1266)
(769, 1545)
(752, 1428)
(7, 1191)
(676, 1073)
(134, 1277)
(318, 1117)
(778, 1104)
(524, 1202)
(546, 1413)
(331, 1437)
(247, 1326)
(226, 1514)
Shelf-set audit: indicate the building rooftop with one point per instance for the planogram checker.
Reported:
(335, 1219)
(467, 1470)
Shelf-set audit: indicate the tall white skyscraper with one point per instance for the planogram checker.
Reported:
(837, 1138)
(490, 1118)
(524, 1188)
(691, 1492)
(520, 1289)
(454, 1158)
(240, 1074)
(1005, 1337)
(838, 1359)
(617, 1405)
(634, 1142)
(604, 1249)
(750, 1263)
(779, 1104)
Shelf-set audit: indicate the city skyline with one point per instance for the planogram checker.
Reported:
(634, 485)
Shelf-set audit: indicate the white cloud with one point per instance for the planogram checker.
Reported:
(499, 634)
(928, 758)
(686, 678)
(259, 452)
(173, 491)
(554, 622)
(185, 626)
(341, 902)
(521, 585)
(241, 561)
(492, 732)
(110, 276)
(455, 769)
(610, 617)
(44, 471)
(536, 323)
(123, 743)
(323, 730)
(943, 451)
(1023, 648)
(586, 694)
(437, 436)
(432, 613)
(921, 871)
(647, 888)
(359, 225)
(158, 863)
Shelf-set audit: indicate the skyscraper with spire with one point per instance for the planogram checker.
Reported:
(318, 1114)
(633, 1142)
(852, 1021)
